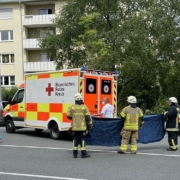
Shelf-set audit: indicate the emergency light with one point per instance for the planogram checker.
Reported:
(116, 72)
(83, 68)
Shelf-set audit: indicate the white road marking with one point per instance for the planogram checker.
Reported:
(93, 150)
(39, 176)
(36, 147)
(153, 154)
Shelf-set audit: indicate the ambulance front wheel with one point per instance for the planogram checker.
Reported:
(54, 131)
(10, 126)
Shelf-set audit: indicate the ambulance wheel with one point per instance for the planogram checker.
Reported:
(38, 130)
(54, 131)
(10, 126)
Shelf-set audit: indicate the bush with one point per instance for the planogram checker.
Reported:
(8, 93)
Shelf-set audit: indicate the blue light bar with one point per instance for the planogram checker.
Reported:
(116, 72)
(83, 68)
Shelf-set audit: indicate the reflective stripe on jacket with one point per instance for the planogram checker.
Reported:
(78, 115)
(131, 116)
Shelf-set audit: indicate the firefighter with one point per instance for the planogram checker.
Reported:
(132, 116)
(81, 121)
(172, 124)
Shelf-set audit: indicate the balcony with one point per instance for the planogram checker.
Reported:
(31, 44)
(39, 66)
(38, 20)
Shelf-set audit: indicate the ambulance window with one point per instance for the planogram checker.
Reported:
(106, 87)
(90, 86)
(19, 97)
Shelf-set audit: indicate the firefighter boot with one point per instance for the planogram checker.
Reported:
(170, 149)
(121, 152)
(133, 152)
(75, 152)
(84, 154)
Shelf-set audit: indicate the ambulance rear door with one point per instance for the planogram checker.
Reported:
(105, 90)
(96, 88)
(90, 92)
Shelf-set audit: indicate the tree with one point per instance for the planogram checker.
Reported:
(8, 93)
(142, 37)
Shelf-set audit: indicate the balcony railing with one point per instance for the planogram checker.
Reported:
(39, 66)
(38, 20)
(31, 44)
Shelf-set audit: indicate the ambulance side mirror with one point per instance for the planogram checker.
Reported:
(10, 100)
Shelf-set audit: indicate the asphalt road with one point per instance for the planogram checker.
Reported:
(27, 155)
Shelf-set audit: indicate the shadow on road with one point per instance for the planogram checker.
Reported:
(44, 134)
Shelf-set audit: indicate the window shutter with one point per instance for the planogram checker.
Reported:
(6, 13)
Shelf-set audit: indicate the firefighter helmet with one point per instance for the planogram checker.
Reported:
(173, 100)
(131, 99)
(78, 96)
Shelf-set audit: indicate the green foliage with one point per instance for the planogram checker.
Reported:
(91, 45)
(171, 84)
(141, 37)
(160, 106)
(8, 93)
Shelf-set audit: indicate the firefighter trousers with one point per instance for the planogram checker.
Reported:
(126, 135)
(173, 140)
(79, 138)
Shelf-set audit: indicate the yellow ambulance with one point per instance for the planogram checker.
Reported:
(42, 101)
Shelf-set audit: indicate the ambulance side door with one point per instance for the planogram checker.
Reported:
(17, 108)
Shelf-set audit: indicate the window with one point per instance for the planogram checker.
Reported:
(19, 97)
(6, 58)
(6, 35)
(12, 58)
(44, 58)
(7, 80)
(106, 87)
(6, 13)
(91, 85)
(12, 80)
(42, 34)
(45, 11)
(11, 35)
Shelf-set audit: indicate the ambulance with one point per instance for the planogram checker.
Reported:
(43, 99)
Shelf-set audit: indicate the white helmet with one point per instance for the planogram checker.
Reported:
(173, 100)
(78, 96)
(131, 99)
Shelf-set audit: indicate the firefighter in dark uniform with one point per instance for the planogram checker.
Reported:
(132, 116)
(81, 122)
(172, 125)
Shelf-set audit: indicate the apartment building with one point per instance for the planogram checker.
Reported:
(21, 25)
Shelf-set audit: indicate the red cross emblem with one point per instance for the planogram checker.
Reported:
(106, 89)
(49, 89)
(91, 87)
